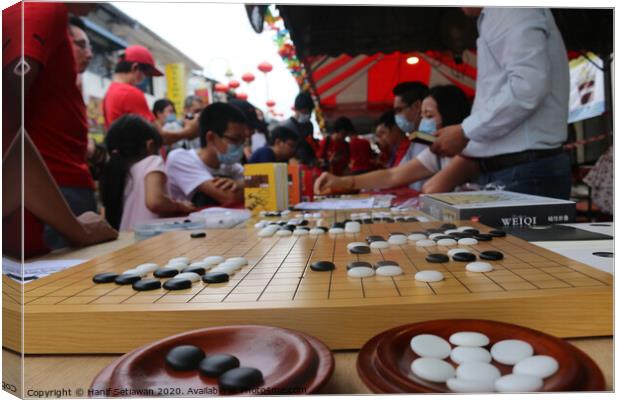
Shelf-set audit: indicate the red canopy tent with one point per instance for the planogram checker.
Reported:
(361, 85)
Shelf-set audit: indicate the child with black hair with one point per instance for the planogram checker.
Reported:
(133, 183)
(211, 175)
(282, 145)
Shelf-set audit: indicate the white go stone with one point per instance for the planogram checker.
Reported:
(468, 241)
(514, 383)
(192, 276)
(213, 260)
(336, 231)
(397, 240)
(464, 228)
(511, 351)
(135, 271)
(432, 236)
(446, 242)
(285, 212)
(147, 267)
(479, 266)
(360, 272)
(284, 232)
(463, 354)
(449, 231)
(431, 346)
(301, 232)
(540, 366)
(432, 369)
(379, 244)
(226, 267)
(425, 243)
(471, 339)
(178, 265)
(352, 227)
(478, 371)
(452, 252)
(182, 259)
(260, 224)
(429, 276)
(355, 244)
(389, 270)
(268, 231)
(414, 237)
(238, 260)
(200, 264)
(317, 231)
(467, 386)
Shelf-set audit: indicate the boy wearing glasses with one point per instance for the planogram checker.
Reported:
(212, 174)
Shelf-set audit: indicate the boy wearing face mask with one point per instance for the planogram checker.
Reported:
(300, 123)
(211, 175)
(124, 97)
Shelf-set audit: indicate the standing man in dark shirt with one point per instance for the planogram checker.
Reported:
(301, 125)
(282, 144)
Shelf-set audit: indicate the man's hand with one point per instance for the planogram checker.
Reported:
(326, 183)
(185, 207)
(226, 184)
(450, 141)
(96, 228)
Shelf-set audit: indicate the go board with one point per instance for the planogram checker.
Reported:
(68, 313)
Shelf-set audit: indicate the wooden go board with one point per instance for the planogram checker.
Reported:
(68, 313)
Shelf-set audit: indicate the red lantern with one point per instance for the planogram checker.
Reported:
(265, 67)
(241, 96)
(221, 87)
(247, 77)
(234, 84)
(270, 103)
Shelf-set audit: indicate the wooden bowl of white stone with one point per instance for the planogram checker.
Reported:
(474, 356)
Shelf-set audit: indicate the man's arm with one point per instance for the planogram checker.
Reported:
(459, 171)
(522, 51)
(222, 191)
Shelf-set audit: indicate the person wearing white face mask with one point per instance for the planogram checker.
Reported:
(444, 104)
(211, 175)
(300, 123)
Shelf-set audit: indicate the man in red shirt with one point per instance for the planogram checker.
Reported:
(360, 153)
(54, 112)
(123, 97)
(334, 150)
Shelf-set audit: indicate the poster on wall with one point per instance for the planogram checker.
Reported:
(587, 91)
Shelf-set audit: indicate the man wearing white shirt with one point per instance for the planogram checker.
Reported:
(519, 117)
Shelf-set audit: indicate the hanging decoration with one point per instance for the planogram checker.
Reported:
(241, 96)
(270, 103)
(221, 87)
(234, 84)
(288, 53)
(248, 77)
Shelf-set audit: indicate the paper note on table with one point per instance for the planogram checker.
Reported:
(337, 204)
(36, 269)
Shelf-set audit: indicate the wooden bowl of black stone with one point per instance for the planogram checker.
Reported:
(384, 362)
(291, 363)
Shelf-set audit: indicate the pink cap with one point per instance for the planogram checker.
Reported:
(142, 55)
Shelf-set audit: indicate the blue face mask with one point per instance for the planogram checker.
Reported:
(232, 156)
(427, 125)
(404, 124)
(171, 118)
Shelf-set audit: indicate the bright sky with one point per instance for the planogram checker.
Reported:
(219, 36)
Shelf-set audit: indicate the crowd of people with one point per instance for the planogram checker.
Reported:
(157, 164)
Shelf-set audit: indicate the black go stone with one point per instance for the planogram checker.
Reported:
(397, 233)
(165, 272)
(187, 221)
(177, 284)
(127, 279)
(399, 219)
(437, 258)
(303, 222)
(196, 270)
(356, 264)
(239, 379)
(289, 227)
(184, 357)
(338, 225)
(383, 263)
(215, 365)
(444, 237)
(215, 277)
(464, 257)
(368, 221)
(146, 284)
(106, 277)
(360, 250)
(497, 233)
(378, 219)
(322, 266)
(491, 255)
(483, 237)
(345, 221)
(196, 235)
(471, 231)
(411, 219)
(374, 238)
(447, 226)
(302, 228)
(433, 230)
(389, 220)
(324, 229)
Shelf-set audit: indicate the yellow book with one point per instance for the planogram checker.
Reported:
(264, 184)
